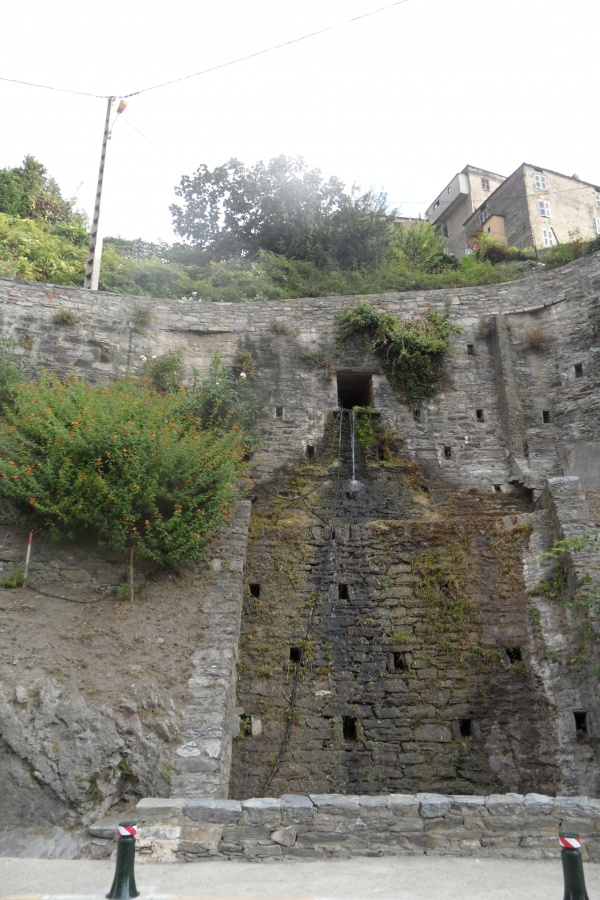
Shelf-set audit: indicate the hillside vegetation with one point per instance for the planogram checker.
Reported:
(269, 232)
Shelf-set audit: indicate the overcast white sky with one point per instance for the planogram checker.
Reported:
(399, 101)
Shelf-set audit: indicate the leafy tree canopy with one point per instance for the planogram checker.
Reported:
(27, 192)
(284, 208)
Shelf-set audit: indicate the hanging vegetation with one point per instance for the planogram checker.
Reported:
(411, 351)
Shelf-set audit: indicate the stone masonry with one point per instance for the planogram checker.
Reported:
(431, 666)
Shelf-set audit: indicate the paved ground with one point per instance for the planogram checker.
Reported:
(400, 878)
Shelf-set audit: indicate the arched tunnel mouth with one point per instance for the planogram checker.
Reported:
(354, 389)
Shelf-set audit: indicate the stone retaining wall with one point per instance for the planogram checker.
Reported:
(334, 825)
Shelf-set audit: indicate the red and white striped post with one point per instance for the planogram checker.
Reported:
(572, 864)
(123, 886)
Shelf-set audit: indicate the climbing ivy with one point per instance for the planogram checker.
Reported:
(411, 351)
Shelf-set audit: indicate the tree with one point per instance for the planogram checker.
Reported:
(28, 193)
(284, 208)
(420, 246)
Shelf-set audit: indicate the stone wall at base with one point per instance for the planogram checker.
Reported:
(341, 826)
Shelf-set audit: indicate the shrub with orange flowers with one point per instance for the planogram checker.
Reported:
(123, 463)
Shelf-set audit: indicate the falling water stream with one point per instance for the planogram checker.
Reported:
(354, 484)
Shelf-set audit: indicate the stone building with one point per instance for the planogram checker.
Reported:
(533, 207)
(467, 191)
(537, 207)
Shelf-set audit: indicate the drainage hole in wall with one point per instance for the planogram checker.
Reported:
(254, 589)
(279, 412)
(514, 654)
(343, 592)
(399, 664)
(465, 726)
(581, 723)
(546, 416)
(578, 370)
(310, 451)
(245, 724)
(350, 495)
(498, 488)
(470, 349)
(447, 452)
(349, 728)
(480, 415)
(417, 415)
(295, 654)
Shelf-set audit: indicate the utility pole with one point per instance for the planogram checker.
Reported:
(92, 268)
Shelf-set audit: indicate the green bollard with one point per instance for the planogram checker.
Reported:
(572, 864)
(123, 886)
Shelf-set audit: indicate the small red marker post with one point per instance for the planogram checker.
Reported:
(572, 864)
(123, 886)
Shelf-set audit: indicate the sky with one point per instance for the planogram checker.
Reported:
(398, 101)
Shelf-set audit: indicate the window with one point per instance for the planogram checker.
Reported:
(447, 452)
(547, 237)
(485, 184)
(597, 221)
(446, 229)
(539, 181)
(436, 204)
(479, 414)
(544, 208)
(483, 215)
(597, 198)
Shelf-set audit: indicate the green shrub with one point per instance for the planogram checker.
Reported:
(11, 373)
(124, 464)
(411, 351)
(166, 371)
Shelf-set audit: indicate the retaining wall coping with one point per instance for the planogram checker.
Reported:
(224, 811)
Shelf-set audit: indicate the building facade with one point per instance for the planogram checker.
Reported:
(536, 207)
(465, 193)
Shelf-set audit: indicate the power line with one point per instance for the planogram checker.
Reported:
(49, 87)
(239, 59)
(231, 62)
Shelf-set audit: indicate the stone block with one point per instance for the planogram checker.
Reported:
(538, 804)
(152, 809)
(335, 804)
(286, 836)
(225, 812)
(262, 811)
(433, 733)
(433, 805)
(403, 805)
(297, 808)
(505, 805)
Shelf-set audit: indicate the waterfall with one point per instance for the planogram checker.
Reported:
(354, 484)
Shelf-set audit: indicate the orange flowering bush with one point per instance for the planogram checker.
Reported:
(122, 463)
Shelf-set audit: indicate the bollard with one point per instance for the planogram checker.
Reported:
(572, 864)
(123, 886)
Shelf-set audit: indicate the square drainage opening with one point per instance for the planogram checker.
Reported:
(465, 726)
(354, 389)
(581, 722)
(349, 728)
